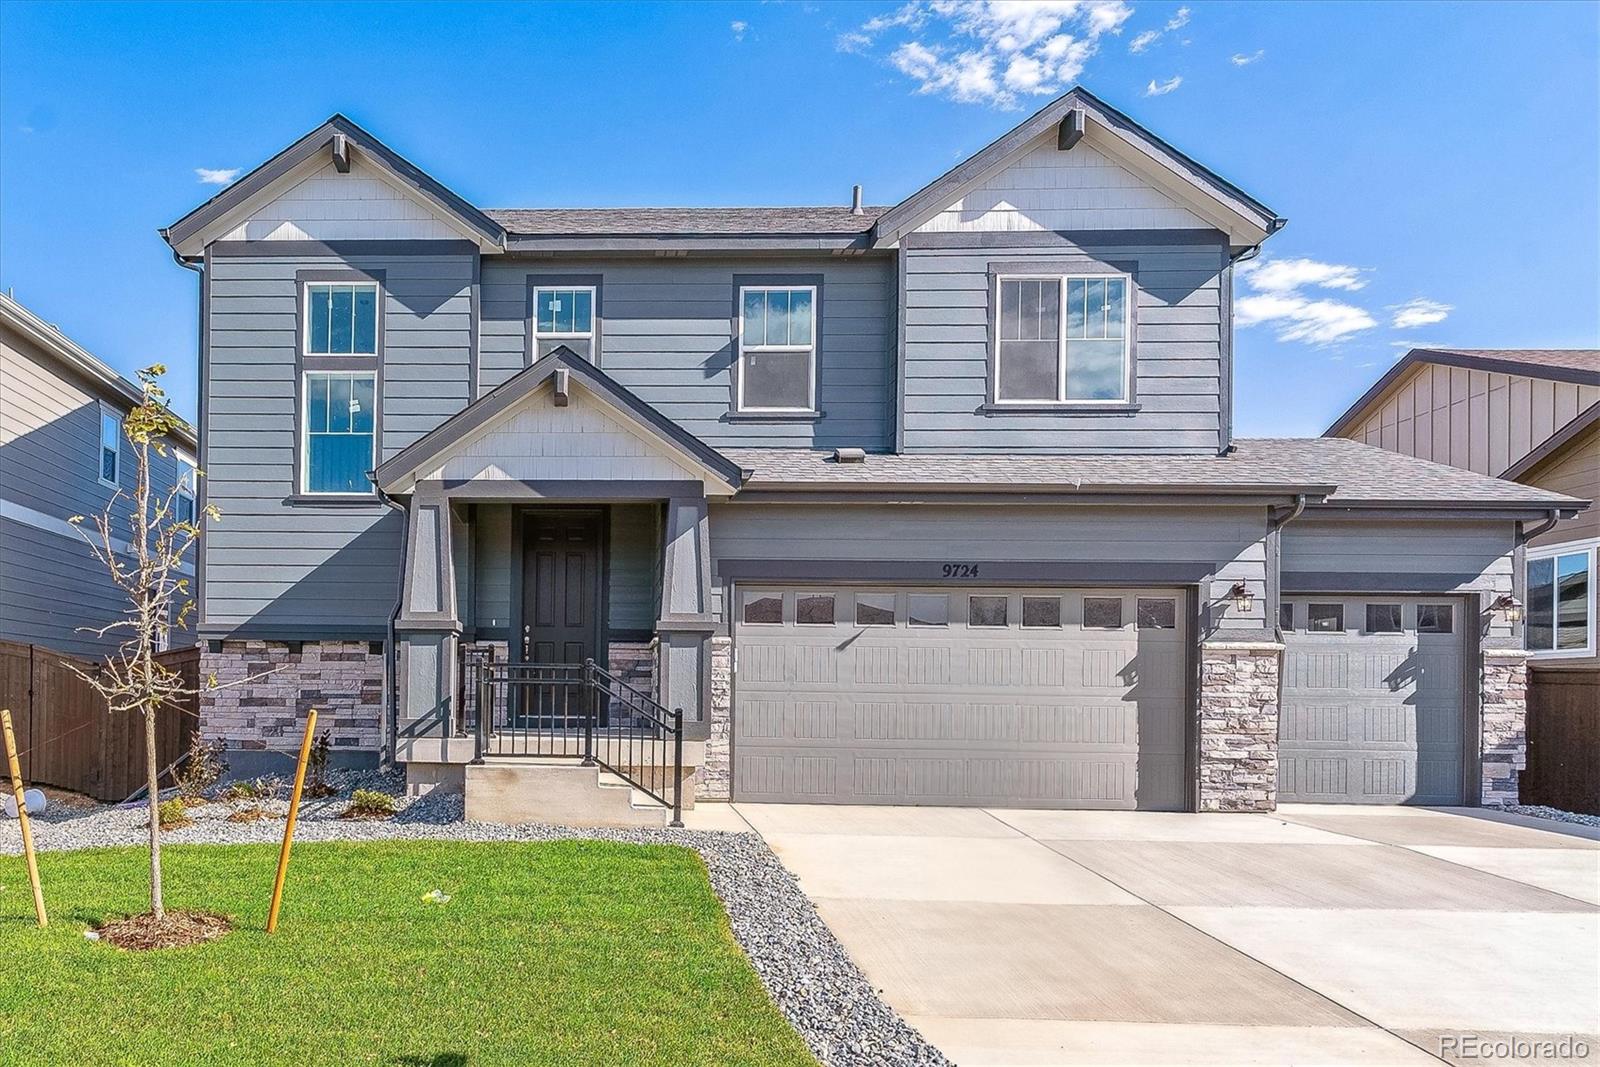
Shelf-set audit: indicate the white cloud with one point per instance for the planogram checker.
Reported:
(993, 52)
(1279, 299)
(1418, 312)
(1163, 88)
(1239, 59)
(1179, 20)
(738, 26)
(1143, 41)
(1284, 275)
(216, 176)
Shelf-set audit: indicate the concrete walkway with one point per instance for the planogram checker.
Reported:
(1327, 935)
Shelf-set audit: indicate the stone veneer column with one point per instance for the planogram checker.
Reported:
(1504, 736)
(1239, 726)
(716, 773)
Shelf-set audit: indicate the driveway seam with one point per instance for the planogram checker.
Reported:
(1213, 937)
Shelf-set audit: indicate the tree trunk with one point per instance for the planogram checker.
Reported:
(153, 774)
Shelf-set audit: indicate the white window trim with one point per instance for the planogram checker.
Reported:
(576, 335)
(1061, 399)
(100, 451)
(187, 466)
(1590, 548)
(811, 349)
(303, 478)
(305, 326)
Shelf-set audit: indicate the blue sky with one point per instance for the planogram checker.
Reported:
(1439, 164)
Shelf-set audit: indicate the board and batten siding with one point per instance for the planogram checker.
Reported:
(1226, 543)
(1575, 471)
(1483, 421)
(1179, 350)
(666, 334)
(274, 566)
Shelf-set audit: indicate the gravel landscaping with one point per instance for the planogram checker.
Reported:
(1538, 811)
(808, 974)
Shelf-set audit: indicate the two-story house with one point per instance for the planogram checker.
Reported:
(932, 503)
(63, 453)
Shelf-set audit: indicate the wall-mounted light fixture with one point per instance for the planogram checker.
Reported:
(1507, 607)
(1243, 599)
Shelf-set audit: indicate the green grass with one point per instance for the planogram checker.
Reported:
(562, 953)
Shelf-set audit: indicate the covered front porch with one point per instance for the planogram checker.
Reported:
(555, 610)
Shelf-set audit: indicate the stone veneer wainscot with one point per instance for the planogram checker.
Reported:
(1505, 725)
(1239, 726)
(343, 680)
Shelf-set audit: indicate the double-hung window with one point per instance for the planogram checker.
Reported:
(110, 454)
(1062, 338)
(564, 315)
(777, 348)
(1561, 598)
(183, 502)
(341, 344)
(340, 431)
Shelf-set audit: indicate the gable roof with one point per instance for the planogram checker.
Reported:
(1577, 365)
(396, 167)
(1144, 145)
(435, 444)
(1555, 443)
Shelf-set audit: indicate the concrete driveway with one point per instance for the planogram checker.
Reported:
(1314, 935)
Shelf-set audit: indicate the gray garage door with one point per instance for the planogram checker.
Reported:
(1373, 708)
(1036, 698)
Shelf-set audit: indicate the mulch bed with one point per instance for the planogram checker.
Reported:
(176, 929)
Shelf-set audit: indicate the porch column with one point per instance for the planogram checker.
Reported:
(427, 631)
(686, 623)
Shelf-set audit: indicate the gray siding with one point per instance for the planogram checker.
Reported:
(1179, 339)
(273, 565)
(1221, 545)
(667, 334)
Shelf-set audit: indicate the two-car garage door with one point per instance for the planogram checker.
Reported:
(1018, 697)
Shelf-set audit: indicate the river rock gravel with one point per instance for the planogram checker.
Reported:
(806, 971)
(1538, 811)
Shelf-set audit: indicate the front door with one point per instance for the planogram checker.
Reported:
(561, 587)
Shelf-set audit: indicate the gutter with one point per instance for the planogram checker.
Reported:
(1526, 535)
(1274, 525)
(391, 651)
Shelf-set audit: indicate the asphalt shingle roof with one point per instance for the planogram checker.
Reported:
(1534, 359)
(1361, 473)
(620, 221)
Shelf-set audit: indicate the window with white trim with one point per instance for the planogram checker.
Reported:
(183, 501)
(1561, 600)
(339, 443)
(341, 319)
(777, 348)
(1062, 339)
(564, 315)
(110, 457)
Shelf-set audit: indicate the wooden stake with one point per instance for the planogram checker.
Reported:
(288, 828)
(22, 817)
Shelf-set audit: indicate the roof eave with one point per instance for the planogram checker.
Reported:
(688, 242)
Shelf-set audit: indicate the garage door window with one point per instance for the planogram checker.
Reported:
(814, 610)
(927, 610)
(1041, 611)
(986, 611)
(1102, 613)
(874, 609)
(1325, 618)
(1383, 619)
(1158, 614)
(1435, 619)
(763, 608)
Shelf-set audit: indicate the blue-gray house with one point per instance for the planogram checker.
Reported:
(937, 503)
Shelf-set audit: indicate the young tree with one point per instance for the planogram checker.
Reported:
(144, 557)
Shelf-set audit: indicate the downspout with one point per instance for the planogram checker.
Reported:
(1524, 536)
(1275, 526)
(391, 650)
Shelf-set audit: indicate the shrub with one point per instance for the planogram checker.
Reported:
(369, 804)
(317, 784)
(202, 767)
(251, 789)
(248, 813)
(173, 814)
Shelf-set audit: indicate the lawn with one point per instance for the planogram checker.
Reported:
(574, 952)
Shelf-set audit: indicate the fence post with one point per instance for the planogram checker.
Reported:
(485, 712)
(677, 767)
(590, 701)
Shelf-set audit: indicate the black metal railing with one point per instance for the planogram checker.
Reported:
(576, 711)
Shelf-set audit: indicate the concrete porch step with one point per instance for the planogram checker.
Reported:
(512, 791)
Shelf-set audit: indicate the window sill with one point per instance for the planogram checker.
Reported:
(333, 500)
(1115, 407)
(774, 416)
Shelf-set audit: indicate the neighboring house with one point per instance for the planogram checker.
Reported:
(63, 453)
(934, 503)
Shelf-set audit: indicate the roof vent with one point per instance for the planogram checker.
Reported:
(850, 455)
(855, 201)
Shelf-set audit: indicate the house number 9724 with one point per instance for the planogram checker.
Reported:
(960, 570)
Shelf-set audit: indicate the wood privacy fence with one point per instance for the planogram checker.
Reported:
(68, 738)
(1563, 740)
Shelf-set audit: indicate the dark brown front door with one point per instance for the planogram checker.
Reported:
(561, 586)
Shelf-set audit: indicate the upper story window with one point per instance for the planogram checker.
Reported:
(564, 315)
(110, 457)
(183, 504)
(1062, 339)
(339, 447)
(1561, 600)
(777, 348)
(341, 319)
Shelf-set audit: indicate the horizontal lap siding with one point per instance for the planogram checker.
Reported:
(666, 335)
(50, 586)
(1179, 354)
(275, 564)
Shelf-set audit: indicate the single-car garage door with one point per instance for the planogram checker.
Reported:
(1021, 697)
(1374, 707)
